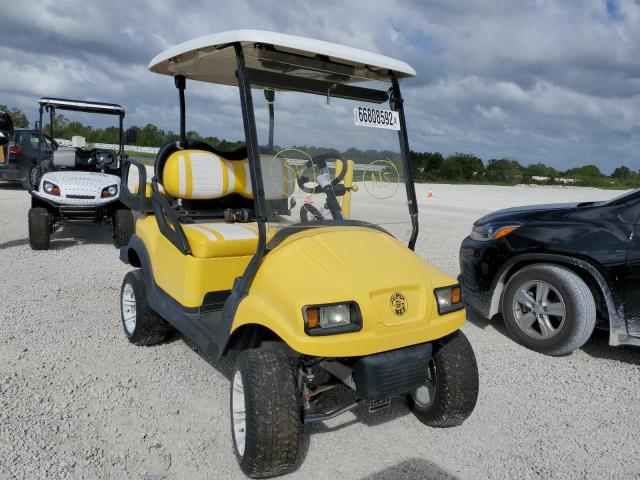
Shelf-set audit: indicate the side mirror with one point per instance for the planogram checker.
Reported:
(4, 139)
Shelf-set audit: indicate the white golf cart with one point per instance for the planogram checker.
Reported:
(84, 187)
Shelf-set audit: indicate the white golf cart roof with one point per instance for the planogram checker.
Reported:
(81, 106)
(211, 58)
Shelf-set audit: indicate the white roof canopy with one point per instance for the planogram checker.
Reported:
(212, 59)
(81, 105)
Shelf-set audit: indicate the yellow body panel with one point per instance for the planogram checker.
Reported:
(184, 277)
(335, 264)
(311, 267)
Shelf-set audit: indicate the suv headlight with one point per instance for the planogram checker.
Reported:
(110, 191)
(449, 299)
(51, 188)
(332, 318)
(492, 231)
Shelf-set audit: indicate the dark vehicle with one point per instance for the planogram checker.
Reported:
(21, 162)
(6, 135)
(555, 272)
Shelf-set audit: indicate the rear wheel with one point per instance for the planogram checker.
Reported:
(265, 413)
(142, 325)
(39, 228)
(549, 309)
(450, 392)
(122, 227)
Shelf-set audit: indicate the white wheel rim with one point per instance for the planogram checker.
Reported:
(238, 414)
(129, 308)
(425, 395)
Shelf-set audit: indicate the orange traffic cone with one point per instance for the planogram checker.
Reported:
(430, 193)
(308, 199)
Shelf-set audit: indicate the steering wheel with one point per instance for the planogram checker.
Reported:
(319, 161)
(307, 209)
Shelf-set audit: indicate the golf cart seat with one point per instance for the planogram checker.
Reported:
(221, 239)
(72, 157)
(203, 179)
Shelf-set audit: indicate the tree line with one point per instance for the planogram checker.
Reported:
(468, 168)
(425, 166)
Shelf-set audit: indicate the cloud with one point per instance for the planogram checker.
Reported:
(537, 80)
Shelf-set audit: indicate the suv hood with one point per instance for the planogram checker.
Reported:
(528, 212)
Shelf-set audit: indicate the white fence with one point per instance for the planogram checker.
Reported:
(112, 146)
(370, 167)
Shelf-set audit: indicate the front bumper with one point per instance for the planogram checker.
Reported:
(478, 301)
(480, 264)
(77, 213)
(82, 214)
(392, 373)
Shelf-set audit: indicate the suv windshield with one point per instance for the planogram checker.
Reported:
(328, 163)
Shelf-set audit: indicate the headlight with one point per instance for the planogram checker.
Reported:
(334, 318)
(110, 191)
(449, 299)
(492, 231)
(51, 188)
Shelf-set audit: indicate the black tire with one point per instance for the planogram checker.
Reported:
(579, 306)
(123, 227)
(272, 413)
(149, 328)
(33, 177)
(452, 384)
(39, 228)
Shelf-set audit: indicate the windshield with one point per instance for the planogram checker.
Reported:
(331, 161)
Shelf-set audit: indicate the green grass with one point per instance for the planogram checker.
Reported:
(146, 158)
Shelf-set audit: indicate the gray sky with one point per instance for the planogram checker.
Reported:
(539, 81)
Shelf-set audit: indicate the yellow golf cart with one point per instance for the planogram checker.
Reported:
(296, 250)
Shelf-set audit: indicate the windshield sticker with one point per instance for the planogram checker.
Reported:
(376, 117)
(381, 179)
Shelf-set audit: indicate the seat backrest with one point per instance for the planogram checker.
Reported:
(78, 141)
(194, 174)
(64, 157)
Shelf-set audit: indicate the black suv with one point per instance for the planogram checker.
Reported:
(22, 160)
(555, 272)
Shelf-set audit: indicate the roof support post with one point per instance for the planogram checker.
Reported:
(398, 104)
(255, 168)
(181, 83)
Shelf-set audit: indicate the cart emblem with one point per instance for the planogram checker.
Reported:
(398, 304)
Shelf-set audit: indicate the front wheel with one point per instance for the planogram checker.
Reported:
(450, 392)
(549, 309)
(122, 227)
(265, 413)
(39, 228)
(33, 177)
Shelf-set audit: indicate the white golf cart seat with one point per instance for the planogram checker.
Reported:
(64, 157)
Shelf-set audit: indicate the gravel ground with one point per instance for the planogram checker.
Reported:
(78, 401)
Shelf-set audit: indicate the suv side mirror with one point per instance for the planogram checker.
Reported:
(4, 139)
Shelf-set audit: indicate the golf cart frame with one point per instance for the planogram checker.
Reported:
(80, 199)
(168, 221)
(50, 105)
(250, 299)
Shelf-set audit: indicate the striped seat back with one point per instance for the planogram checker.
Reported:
(201, 175)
